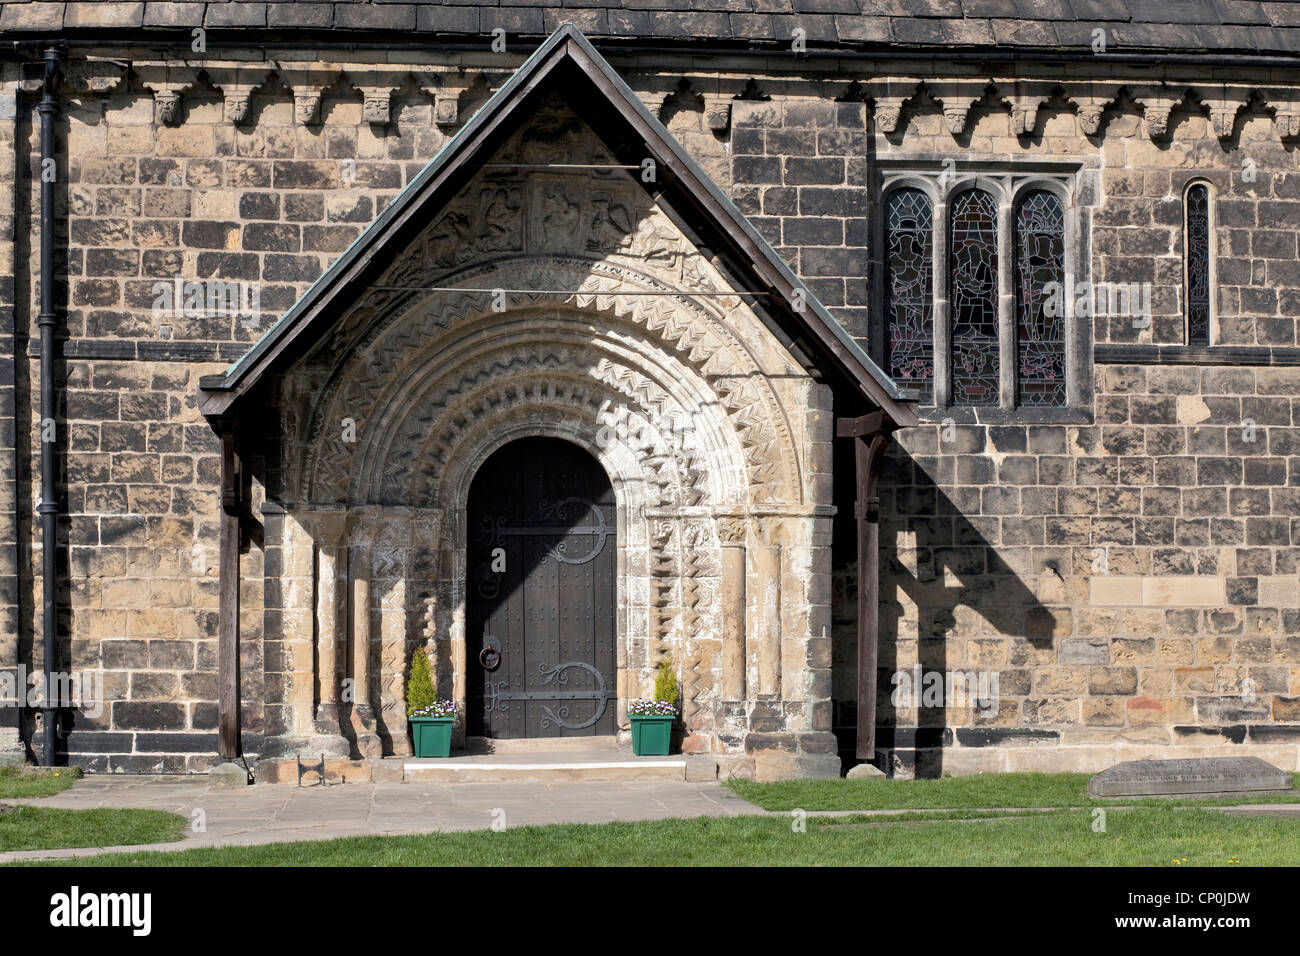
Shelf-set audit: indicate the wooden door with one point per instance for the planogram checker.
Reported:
(540, 611)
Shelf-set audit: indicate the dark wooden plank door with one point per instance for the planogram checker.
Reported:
(540, 614)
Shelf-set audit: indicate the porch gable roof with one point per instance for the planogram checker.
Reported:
(791, 311)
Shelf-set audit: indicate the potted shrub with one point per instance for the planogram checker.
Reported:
(652, 720)
(431, 728)
(431, 719)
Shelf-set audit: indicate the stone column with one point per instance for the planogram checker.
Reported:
(942, 324)
(764, 627)
(426, 597)
(362, 713)
(331, 603)
(731, 532)
(1006, 307)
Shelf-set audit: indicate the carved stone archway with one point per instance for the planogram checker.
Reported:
(552, 293)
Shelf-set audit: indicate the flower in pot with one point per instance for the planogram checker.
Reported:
(652, 720)
(431, 728)
(431, 719)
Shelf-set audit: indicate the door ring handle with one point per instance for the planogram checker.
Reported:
(489, 658)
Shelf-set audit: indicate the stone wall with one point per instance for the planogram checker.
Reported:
(1126, 568)
(270, 204)
(992, 530)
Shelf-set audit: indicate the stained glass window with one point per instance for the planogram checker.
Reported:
(973, 298)
(909, 227)
(1040, 311)
(1198, 265)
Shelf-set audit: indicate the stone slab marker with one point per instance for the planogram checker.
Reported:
(1190, 777)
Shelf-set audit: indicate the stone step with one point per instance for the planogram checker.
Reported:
(542, 768)
(602, 762)
(546, 745)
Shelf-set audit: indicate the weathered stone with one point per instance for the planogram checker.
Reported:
(865, 771)
(228, 775)
(1198, 777)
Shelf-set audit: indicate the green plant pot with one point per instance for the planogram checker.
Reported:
(431, 736)
(651, 736)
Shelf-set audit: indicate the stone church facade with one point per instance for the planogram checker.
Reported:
(1019, 282)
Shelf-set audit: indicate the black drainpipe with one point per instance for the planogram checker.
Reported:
(47, 319)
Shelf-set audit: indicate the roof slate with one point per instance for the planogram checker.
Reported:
(1171, 26)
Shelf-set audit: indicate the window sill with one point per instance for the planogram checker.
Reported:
(990, 415)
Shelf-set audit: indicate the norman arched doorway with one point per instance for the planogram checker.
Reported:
(541, 604)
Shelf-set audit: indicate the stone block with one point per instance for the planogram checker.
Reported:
(701, 768)
(773, 767)
(228, 775)
(865, 771)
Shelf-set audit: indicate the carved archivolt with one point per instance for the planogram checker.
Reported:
(577, 279)
(543, 302)
(379, 384)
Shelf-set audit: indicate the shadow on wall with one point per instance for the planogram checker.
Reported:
(960, 632)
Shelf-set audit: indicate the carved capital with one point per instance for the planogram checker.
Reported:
(956, 99)
(376, 107)
(377, 88)
(1287, 123)
(326, 527)
(307, 84)
(236, 84)
(717, 111)
(1024, 110)
(732, 530)
(1091, 110)
(888, 109)
(1223, 113)
(1158, 105)
(168, 83)
(446, 87)
(772, 531)
(654, 100)
(93, 76)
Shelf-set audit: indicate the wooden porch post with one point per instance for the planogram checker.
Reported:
(872, 438)
(229, 744)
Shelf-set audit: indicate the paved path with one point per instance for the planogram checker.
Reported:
(274, 813)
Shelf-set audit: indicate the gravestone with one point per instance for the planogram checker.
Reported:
(1191, 777)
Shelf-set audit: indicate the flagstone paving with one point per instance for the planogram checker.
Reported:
(271, 813)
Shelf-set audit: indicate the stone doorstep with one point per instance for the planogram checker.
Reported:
(525, 767)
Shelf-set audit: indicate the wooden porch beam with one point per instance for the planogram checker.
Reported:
(871, 439)
(865, 425)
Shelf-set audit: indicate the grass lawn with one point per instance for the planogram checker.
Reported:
(1148, 836)
(47, 828)
(21, 780)
(978, 790)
